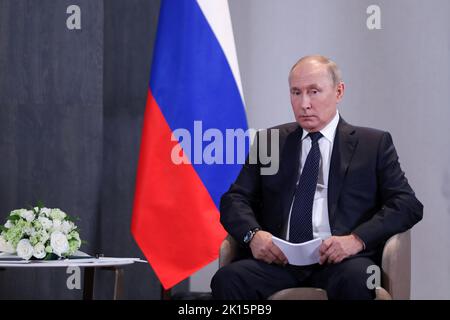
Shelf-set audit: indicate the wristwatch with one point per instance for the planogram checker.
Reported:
(249, 235)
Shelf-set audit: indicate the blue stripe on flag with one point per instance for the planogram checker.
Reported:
(191, 80)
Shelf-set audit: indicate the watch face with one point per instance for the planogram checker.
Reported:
(248, 237)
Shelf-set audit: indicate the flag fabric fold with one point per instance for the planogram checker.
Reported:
(194, 79)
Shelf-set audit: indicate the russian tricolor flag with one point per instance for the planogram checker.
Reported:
(194, 78)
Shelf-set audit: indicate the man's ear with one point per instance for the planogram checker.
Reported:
(340, 91)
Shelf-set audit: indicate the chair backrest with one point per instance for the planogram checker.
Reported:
(396, 266)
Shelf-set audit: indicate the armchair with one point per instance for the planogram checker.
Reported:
(395, 277)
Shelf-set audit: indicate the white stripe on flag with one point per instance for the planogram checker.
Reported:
(217, 13)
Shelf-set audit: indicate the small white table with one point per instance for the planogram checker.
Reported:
(89, 265)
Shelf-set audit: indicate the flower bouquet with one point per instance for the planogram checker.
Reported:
(39, 233)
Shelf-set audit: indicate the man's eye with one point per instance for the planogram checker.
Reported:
(314, 91)
(295, 93)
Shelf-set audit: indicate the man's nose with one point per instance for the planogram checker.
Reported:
(305, 102)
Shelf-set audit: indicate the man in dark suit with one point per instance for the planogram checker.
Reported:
(337, 182)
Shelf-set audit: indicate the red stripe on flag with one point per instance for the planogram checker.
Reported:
(175, 222)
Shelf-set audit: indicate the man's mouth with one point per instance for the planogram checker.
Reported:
(307, 117)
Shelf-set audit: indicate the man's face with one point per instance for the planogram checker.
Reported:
(314, 97)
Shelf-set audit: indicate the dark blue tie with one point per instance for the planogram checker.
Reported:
(300, 227)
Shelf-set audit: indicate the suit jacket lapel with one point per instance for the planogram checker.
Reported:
(290, 165)
(344, 146)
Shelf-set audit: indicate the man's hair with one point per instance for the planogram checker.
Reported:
(332, 67)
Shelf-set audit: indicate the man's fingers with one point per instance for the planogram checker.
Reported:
(269, 257)
(322, 259)
(330, 250)
(325, 245)
(323, 248)
(336, 258)
(325, 255)
(281, 258)
(332, 258)
(278, 258)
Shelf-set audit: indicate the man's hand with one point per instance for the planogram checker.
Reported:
(335, 249)
(263, 249)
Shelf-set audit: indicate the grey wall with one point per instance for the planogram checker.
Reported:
(51, 93)
(397, 79)
(71, 110)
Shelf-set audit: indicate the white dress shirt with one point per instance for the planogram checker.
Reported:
(320, 221)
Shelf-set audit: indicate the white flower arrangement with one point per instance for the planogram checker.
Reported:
(39, 233)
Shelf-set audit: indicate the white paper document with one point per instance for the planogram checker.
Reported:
(299, 254)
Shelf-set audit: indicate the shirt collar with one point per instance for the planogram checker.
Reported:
(329, 130)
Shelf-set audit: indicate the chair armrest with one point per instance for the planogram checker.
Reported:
(228, 251)
(300, 294)
(396, 266)
(382, 294)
